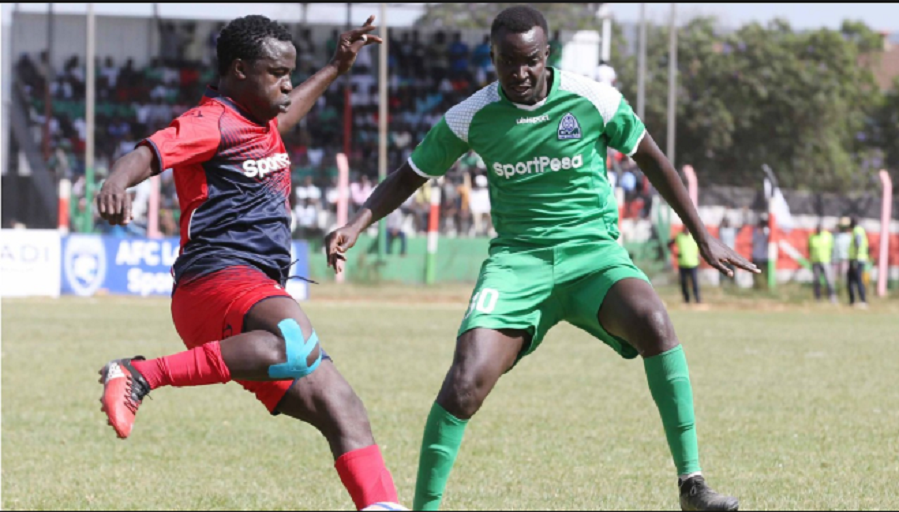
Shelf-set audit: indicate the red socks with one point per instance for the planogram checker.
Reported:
(365, 476)
(362, 471)
(195, 367)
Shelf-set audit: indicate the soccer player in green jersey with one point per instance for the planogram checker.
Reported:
(543, 134)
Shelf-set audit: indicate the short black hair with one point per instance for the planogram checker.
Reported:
(242, 39)
(518, 19)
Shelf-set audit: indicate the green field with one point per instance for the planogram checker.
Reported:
(797, 408)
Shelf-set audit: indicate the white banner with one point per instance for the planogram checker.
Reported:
(29, 262)
(581, 54)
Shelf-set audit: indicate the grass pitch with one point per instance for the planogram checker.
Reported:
(797, 408)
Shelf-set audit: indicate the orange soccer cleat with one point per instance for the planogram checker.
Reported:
(124, 388)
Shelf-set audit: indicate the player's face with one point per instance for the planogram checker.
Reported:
(520, 61)
(268, 79)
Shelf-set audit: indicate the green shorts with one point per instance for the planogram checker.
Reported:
(534, 289)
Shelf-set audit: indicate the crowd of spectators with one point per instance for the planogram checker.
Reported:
(637, 191)
(428, 73)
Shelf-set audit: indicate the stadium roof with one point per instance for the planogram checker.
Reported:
(399, 15)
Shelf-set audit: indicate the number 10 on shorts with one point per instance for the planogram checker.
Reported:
(484, 301)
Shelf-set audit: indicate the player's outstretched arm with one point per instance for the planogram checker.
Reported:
(303, 97)
(114, 201)
(665, 179)
(385, 198)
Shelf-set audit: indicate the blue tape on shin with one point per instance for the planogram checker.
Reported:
(297, 352)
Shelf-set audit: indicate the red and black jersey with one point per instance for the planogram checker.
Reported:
(232, 175)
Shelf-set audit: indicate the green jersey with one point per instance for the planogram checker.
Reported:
(546, 163)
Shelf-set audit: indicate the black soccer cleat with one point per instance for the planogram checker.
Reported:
(696, 495)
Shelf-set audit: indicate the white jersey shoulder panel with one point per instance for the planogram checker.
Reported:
(604, 97)
(459, 117)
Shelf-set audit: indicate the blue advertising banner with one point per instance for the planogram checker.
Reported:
(94, 264)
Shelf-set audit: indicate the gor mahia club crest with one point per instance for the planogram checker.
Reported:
(569, 128)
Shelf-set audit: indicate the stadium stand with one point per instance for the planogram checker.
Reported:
(429, 72)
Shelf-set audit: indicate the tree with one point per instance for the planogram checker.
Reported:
(798, 102)
(559, 16)
(886, 130)
(865, 39)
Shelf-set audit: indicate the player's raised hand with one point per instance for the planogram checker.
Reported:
(718, 255)
(337, 243)
(114, 203)
(351, 42)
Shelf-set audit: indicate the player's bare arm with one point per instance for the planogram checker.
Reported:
(385, 198)
(664, 177)
(114, 201)
(303, 97)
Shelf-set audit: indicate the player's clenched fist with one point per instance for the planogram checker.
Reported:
(114, 203)
(351, 42)
(337, 243)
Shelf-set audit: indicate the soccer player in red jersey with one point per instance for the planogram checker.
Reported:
(232, 175)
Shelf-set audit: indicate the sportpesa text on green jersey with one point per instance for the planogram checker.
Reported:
(546, 162)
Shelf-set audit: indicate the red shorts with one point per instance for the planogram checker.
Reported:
(213, 307)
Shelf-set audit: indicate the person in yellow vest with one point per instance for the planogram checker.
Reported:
(858, 259)
(841, 241)
(687, 263)
(820, 250)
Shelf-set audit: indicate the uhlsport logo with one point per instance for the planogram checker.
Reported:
(259, 168)
(538, 165)
(84, 264)
(569, 127)
(533, 120)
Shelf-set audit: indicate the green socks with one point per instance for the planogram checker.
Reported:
(669, 383)
(439, 447)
